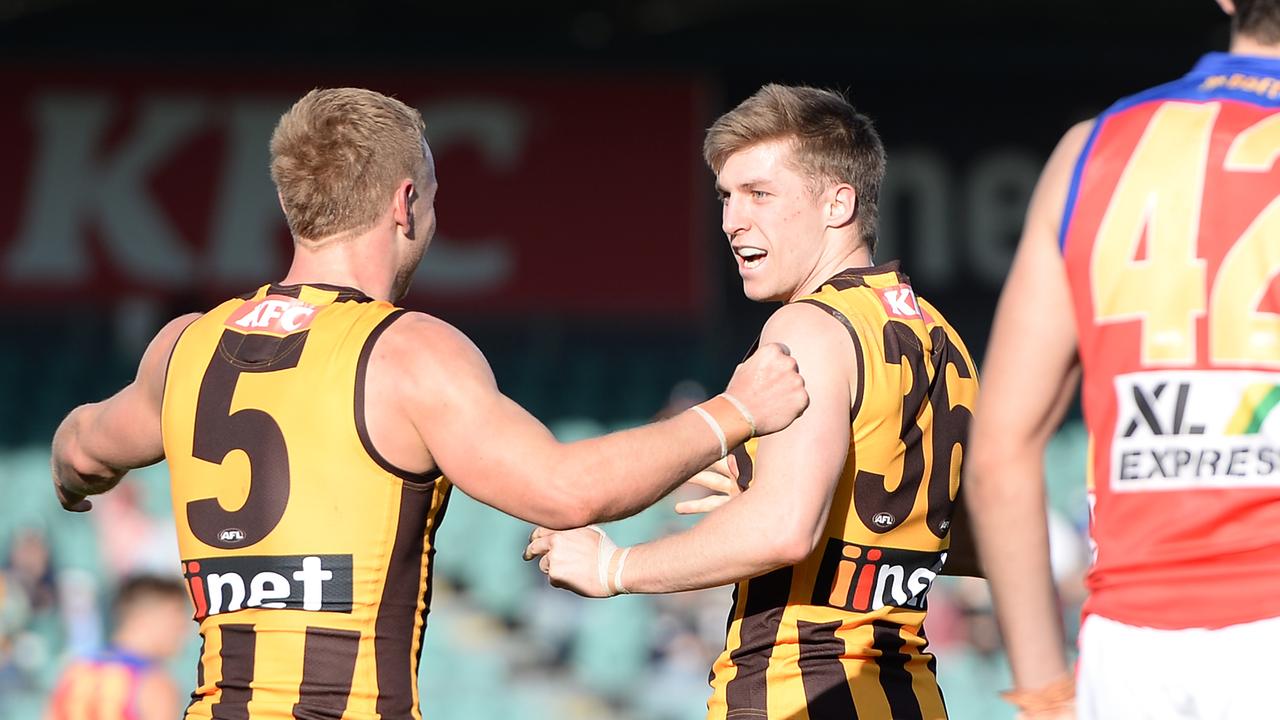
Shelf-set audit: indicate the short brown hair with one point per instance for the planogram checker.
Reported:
(1258, 20)
(139, 590)
(338, 154)
(832, 141)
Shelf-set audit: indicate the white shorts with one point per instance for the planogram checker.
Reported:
(1136, 673)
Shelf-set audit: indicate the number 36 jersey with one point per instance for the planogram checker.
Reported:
(1171, 240)
(840, 634)
(307, 554)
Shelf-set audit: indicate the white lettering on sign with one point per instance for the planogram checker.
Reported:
(498, 129)
(246, 215)
(90, 196)
(76, 184)
(82, 188)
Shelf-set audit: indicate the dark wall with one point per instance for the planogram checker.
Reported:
(969, 97)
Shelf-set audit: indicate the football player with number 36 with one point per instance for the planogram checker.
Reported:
(844, 518)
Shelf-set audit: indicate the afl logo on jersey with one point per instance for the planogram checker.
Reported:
(884, 520)
(231, 535)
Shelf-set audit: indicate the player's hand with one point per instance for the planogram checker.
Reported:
(573, 559)
(73, 488)
(1062, 713)
(721, 479)
(70, 500)
(769, 384)
(1054, 701)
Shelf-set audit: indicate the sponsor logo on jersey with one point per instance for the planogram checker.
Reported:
(900, 301)
(1179, 430)
(297, 582)
(863, 578)
(272, 315)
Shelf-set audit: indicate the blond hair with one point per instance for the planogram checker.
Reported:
(337, 156)
(832, 142)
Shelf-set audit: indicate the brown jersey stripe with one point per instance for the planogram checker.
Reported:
(826, 686)
(766, 601)
(239, 645)
(846, 282)
(196, 697)
(850, 278)
(362, 428)
(431, 572)
(746, 468)
(398, 609)
(895, 679)
(859, 357)
(344, 294)
(328, 667)
(932, 665)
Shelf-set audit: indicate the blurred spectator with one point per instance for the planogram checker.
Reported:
(134, 542)
(127, 680)
(14, 613)
(31, 631)
(975, 667)
(30, 568)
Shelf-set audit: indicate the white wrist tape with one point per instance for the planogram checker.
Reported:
(602, 558)
(746, 414)
(618, 587)
(715, 427)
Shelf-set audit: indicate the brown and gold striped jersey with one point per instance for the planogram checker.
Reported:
(840, 635)
(307, 554)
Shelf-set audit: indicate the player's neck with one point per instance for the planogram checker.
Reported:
(830, 265)
(1245, 45)
(345, 262)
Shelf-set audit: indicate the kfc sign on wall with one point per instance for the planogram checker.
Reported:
(559, 193)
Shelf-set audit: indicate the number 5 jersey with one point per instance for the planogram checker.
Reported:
(1171, 241)
(307, 554)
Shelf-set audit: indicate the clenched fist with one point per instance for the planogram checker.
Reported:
(769, 385)
(584, 560)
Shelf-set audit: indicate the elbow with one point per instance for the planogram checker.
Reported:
(982, 470)
(568, 517)
(571, 506)
(792, 546)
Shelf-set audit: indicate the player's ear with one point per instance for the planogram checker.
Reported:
(1228, 7)
(841, 206)
(402, 206)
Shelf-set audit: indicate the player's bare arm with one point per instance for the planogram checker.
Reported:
(96, 444)
(795, 475)
(427, 377)
(1031, 372)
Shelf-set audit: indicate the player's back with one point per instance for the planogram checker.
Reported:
(1171, 239)
(307, 554)
(840, 634)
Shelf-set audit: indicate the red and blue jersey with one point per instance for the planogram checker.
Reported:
(102, 687)
(1171, 240)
